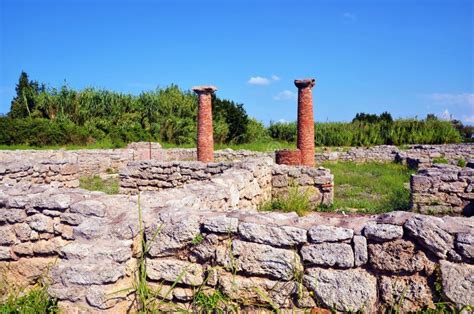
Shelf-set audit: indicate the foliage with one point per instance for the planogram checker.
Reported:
(35, 301)
(370, 187)
(96, 183)
(361, 133)
(461, 163)
(295, 200)
(440, 160)
(373, 118)
(40, 116)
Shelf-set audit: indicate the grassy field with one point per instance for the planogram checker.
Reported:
(96, 183)
(370, 187)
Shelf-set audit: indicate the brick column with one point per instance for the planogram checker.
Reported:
(205, 142)
(305, 121)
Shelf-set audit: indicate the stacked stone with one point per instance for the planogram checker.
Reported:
(88, 161)
(316, 183)
(443, 189)
(57, 173)
(424, 156)
(156, 175)
(381, 153)
(80, 242)
(87, 239)
(344, 264)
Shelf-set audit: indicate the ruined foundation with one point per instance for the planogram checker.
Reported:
(211, 238)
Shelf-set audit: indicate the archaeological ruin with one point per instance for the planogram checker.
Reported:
(189, 218)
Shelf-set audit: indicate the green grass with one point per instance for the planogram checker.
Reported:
(96, 183)
(104, 144)
(370, 187)
(295, 201)
(35, 301)
(440, 160)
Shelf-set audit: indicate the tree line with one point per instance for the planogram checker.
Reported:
(40, 115)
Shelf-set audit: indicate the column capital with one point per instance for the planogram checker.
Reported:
(303, 83)
(204, 89)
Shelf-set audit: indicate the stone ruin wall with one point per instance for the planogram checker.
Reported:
(443, 189)
(87, 244)
(317, 183)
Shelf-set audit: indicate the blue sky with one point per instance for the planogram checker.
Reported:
(406, 57)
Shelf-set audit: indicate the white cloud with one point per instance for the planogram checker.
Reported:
(469, 119)
(258, 80)
(275, 77)
(285, 95)
(462, 99)
(349, 17)
(283, 121)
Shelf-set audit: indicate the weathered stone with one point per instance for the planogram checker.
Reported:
(91, 274)
(183, 294)
(7, 235)
(92, 228)
(261, 259)
(56, 202)
(221, 224)
(206, 250)
(257, 290)
(41, 223)
(89, 208)
(458, 282)
(22, 231)
(406, 293)
(320, 234)
(430, 235)
(172, 235)
(5, 253)
(465, 245)
(173, 270)
(329, 254)
(272, 235)
(361, 254)
(23, 249)
(48, 247)
(118, 251)
(398, 256)
(72, 293)
(12, 215)
(383, 232)
(345, 290)
(99, 298)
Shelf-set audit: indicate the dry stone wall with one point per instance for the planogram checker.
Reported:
(57, 173)
(262, 179)
(156, 175)
(443, 189)
(88, 245)
(316, 183)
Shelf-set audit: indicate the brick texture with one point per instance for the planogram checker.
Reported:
(205, 145)
(288, 157)
(305, 141)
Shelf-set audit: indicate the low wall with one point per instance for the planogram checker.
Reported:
(89, 245)
(155, 175)
(443, 189)
(260, 174)
(416, 156)
(316, 183)
(57, 173)
(424, 156)
(88, 161)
